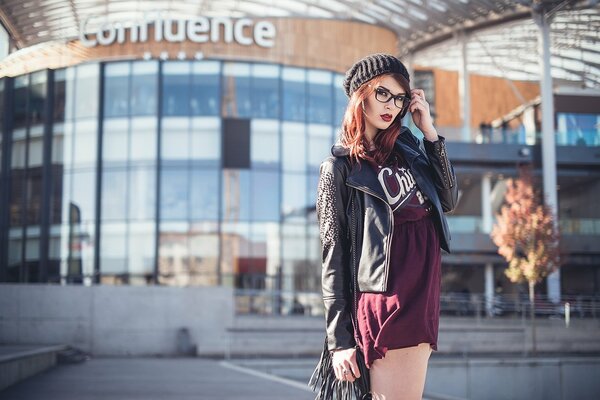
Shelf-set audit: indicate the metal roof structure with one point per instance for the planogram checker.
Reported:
(501, 35)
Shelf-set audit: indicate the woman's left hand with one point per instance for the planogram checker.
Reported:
(421, 115)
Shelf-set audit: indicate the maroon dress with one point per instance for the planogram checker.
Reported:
(408, 312)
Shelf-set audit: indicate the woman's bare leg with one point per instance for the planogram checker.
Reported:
(400, 375)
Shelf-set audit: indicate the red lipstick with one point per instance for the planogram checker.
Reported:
(386, 117)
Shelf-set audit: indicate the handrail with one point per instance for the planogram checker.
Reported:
(462, 304)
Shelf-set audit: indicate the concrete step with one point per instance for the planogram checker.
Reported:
(290, 336)
(19, 362)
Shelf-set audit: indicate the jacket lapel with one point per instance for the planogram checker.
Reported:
(363, 176)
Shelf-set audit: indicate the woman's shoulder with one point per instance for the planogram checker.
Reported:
(407, 135)
(339, 158)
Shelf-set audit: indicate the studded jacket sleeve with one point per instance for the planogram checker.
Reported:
(332, 201)
(445, 179)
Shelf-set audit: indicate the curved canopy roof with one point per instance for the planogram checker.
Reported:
(501, 35)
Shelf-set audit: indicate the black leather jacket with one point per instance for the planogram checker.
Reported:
(356, 225)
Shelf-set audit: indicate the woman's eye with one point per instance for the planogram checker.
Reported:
(383, 93)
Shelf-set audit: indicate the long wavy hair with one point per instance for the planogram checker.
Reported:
(353, 136)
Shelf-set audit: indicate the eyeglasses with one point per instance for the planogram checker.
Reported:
(383, 96)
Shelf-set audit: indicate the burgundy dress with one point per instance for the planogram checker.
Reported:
(408, 312)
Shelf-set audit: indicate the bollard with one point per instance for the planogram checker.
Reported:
(185, 347)
(567, 314)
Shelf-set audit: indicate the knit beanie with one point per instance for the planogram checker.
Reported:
(371, 66)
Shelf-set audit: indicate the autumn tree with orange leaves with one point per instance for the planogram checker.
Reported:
(527, 237)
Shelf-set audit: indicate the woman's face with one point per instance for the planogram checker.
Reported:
(381, 115)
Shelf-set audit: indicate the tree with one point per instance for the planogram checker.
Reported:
(527, 236)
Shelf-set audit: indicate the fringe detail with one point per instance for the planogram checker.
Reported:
(328, 387)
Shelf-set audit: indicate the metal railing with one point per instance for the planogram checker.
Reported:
(459, 304)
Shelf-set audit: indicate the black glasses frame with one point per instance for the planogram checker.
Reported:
(404, 99)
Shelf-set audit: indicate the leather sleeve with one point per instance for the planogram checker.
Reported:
(332, 200)
(445, 179)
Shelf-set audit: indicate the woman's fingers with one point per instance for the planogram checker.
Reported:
(345, 366)
(354, 371)
(418, 92)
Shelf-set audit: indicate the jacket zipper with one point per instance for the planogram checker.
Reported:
(391, 218)
(355, 269)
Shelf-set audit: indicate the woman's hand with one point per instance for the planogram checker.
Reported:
(344, 365)
(421, 115)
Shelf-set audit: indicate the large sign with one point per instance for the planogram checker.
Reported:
(196, 29)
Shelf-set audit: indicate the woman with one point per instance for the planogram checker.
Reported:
(380, 205)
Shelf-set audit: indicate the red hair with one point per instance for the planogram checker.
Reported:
(353, 125)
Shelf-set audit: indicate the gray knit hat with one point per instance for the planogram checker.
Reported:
(371, 66)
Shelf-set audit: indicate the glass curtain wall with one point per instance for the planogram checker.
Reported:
(190, 159)
(26, 178)
(129, 154)
(155, 181)
(74, 168)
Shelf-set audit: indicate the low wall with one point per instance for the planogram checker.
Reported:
(547, 378)
(116, 320)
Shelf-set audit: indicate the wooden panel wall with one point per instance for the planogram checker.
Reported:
(491, 97)
(311, 43)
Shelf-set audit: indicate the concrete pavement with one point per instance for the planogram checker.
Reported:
(155, 379)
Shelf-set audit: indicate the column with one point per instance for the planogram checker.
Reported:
(489, 289)
(486, 203)
(464, 89)
(548, 138)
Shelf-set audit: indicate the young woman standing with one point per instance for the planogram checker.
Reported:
(380, 206)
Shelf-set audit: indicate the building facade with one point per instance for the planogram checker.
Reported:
(191, 157)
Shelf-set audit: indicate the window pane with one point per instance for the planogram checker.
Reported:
(265, 91)
(260, 267)
(294, 255)
(174, 203)
(206, 140)
(59, 95)
(175, 139)
(21, 93)
(293, 136)
(236, 78)
(264, 143)
(113, 249)
(294, 204)
(236, 195)
(144, 88)
(578, 129)
(320, 140)
(320, 97)
(37, 98)
(205, 194)
(114, 195)
(34, 196)
(206, 88)
(85, 137)
(83, 195)
(87, 91)
(36, 146)
(204, 253)
(235, 249)
(144, 140)
(294, 94)
(116, 89)
(176, 88)
(142, 194)
(188, 254)
(141, 245)
(265, 196)
(341, 100)
(115, 142)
